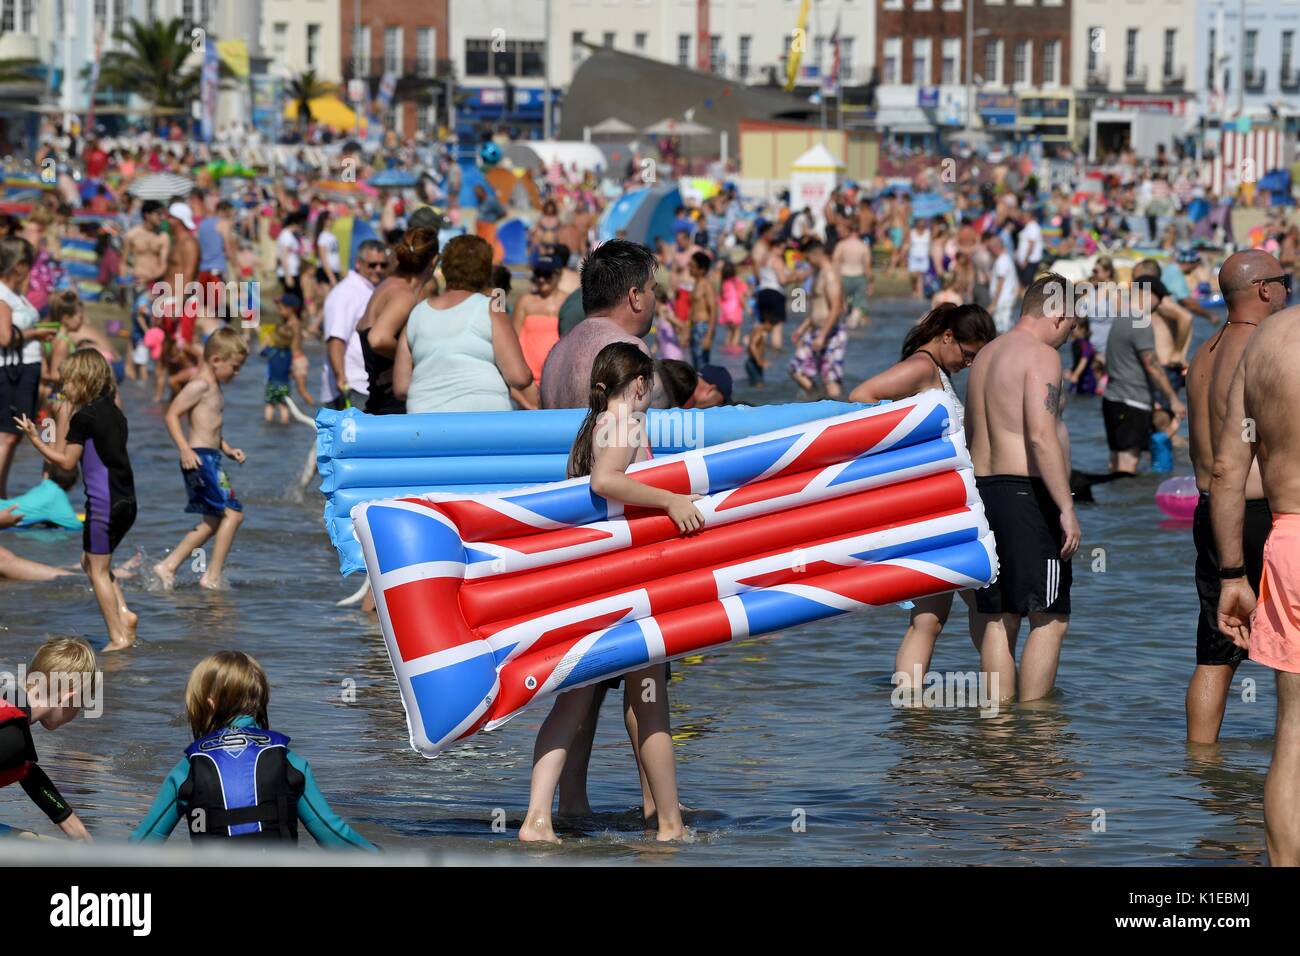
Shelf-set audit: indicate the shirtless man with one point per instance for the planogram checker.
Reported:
(821, 337)
(210, 494)
(704, 309)
(1260, 420)
(1172, 329)
(145, 251)
(1019, 447)
(1249, 303)
(852, 258)
(182, 269)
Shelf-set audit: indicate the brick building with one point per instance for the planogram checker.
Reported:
(406, 39)
(1020, 47)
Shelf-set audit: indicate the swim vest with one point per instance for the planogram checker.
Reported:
(241, 781)
(11, 714)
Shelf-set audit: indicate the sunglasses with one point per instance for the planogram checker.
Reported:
(374, 263)
(1284, 279)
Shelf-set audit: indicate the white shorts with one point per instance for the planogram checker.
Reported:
(1002, 317)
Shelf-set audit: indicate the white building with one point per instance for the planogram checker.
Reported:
(301, 35)
(1251, 67)
(1133, 49)
(747, 38)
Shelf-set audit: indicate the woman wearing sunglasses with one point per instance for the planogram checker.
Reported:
(938, 347)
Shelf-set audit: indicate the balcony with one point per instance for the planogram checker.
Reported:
(1254, 80)
(1174, 77)
(1098, 78)
(1290, 80)
(1135, 78)
(407, 70)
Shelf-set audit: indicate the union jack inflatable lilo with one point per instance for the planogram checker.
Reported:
(489, 603)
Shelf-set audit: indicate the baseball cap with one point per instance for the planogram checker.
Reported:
(547, 264)
(426, 217)
(182, 211)
(719, 378)
(1188, 254)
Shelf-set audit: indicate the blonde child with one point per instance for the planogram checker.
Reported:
(622, 378)
(239, 779)
(92, 431)
(61, 681)
(208, 488)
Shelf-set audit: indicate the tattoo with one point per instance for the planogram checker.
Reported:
(1053, 402)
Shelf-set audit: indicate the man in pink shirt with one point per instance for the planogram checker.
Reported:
(618, 297)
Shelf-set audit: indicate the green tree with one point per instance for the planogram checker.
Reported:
(152, 63)
(304, 88)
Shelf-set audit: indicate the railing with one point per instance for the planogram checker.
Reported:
(1174, 77)
(1099, 77)
(415, 67)
(1136, 78)
(1255, 79)
(1290, 80)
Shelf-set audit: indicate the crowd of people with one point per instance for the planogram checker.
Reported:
(414, 322)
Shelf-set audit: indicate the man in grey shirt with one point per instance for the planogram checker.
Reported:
(618, 296)
(1133, 376)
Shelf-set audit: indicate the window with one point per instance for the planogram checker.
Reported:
(279, 41)
(993, 62)
(313, 45)
(119, 15)
(683, 49)
(392, 49)
(922, 4)
(639, 41)
(426, 41)
(1171, 40)
(717, 56)
(361, 49)
(1288, 43)
(28, 26)
(950, 69)
(1051, 62)
(608, 39)
(819, 52)
(846, 60)
(579, 51)
(742, 57)
(892, 5)
(1131, 52)
(891, 68)
(426, 119)
(7, 17)
(951, 4)
(1252, 47)
(1095, 41)
(1021, 67)
(509, 58)
(187, 11)
(921, 61)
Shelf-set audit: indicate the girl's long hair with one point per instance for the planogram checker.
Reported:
(968, 323)
(86, 376)
(223, 686)
(616, 367)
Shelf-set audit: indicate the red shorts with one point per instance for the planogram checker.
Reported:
(682, 305)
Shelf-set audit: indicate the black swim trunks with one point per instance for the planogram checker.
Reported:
(1026, 525)
(1127, 428)
(1212, 645)
(771, 306)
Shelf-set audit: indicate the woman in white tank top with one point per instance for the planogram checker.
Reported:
(942, 344)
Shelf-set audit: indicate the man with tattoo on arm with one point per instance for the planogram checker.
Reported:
(1022, 471)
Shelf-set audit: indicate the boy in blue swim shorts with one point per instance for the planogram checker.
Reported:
(206, 483)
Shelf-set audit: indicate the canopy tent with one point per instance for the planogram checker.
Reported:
(543, 152)
(393, 178)
(814, 176)
(328, 109)
(929, 205)
(642, 215)
(613, 126)
(675, 127)
(161, 186)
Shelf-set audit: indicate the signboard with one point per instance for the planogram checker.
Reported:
(268, 106)
(927, 97)
(996, 109)
(356, 90)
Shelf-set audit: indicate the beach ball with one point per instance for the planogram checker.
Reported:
(489, 154)
(1177, 497)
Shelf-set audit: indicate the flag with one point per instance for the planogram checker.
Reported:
(208, 92)
(234, 53)
(831, 82)
(797, 44)
(490, 603)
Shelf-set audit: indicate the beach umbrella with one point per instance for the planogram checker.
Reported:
(929, 205)
(613, 126)
(676, 127)
(161, 186)
(393, 179)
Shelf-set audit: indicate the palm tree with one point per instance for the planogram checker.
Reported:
(18, 70)
(304, 88)
(152, 63)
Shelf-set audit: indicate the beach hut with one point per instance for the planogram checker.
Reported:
(814, 176)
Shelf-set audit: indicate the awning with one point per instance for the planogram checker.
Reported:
(904, 119)
(329, 110)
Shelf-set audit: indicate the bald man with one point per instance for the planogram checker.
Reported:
(1249, 302)
(1260, 419)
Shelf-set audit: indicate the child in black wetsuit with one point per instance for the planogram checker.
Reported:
(92, 430)
(61, 681)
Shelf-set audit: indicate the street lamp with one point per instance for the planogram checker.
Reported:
(971, 34)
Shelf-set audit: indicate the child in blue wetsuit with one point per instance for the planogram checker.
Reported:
(239, 779)
(279, 367)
